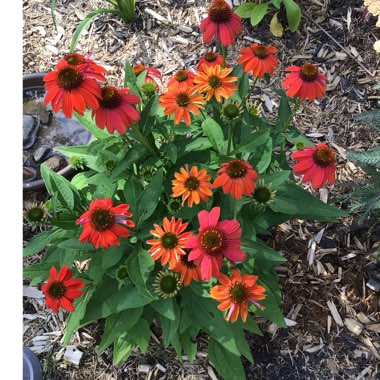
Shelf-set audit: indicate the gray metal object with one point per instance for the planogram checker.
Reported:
(31, 366)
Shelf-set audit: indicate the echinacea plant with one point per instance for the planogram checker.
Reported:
(173, 214)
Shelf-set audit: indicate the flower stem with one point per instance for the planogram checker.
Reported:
(251, 90)
(224, 54)
(230, 130)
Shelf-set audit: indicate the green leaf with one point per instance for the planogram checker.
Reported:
(76, 244)
(266, 157)
(189, 347)
(164, 307)
(172, 152)
(227, 364)
(132, 190)
(214, 133)
(261, 252)
(170, 327)
(73, 321)
(122, 349)
(40, 272)
(140, 334)
(139, 265)
(85, 23)
(133, 155)
(148, 199)
(258, 13)
(91, 126)
(38, 243)
(129, 74)
(117, 324)
(253, 141)
(112, 256)
(294, 200)
(245, 10)
(293, 14)
(276, 178)
(64, 221)
(109, 299)
(148, 115)
(276, 3)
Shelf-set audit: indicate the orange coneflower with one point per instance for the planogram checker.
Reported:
(189, 270)
(221, 23)
(258, 59)
(316, 164)
(210, 58)
(181, 102)
(171, 240)
(216, 82)
(192, 184)
(236, 177)
(235, 292)
(305, 82)
(182, 79)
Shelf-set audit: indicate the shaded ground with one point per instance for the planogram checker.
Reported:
(316, 347)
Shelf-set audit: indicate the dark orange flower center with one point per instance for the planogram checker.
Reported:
(220, 12)
(74, 59)
(56, 290)
(182, 99)
(309, 72)
(323, 156)
(102, 219)
(185, 260)
(138, 69)
(261, 52)
(181, 76)
(214, 81)
(213, 240)
(111, 97)
(191, 183)
(69, 78)
(211, 56)
(239, 292)
(237, 169)
(169, 240)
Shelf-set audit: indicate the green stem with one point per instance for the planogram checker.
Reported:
(205, 116)
(230, 130)
(235, 208)
(224, 54)
(251, 90)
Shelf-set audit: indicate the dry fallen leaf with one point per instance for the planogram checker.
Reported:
(275, 26)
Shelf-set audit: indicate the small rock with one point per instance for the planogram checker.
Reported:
(40, 153)
(28, 174)
(38, 109)
(30, 125)
(27, 159)
(55, 163)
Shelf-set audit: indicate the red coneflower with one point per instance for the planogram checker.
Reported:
(61, 289)
(210, 58)
(171, 240)
(221, 23)
(75, 59)
(182, 79)
(316, 164)
(100, 223)
(115, 110)
(215, 81)
(181, 102)
(192, 184)
(215, 240)
(235, 292)
(236, 177)
(189, 271)
(305, 82)
(71, 88)
(258, 60)
(152, 75)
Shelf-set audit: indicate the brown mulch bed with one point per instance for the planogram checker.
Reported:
(318, 345)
